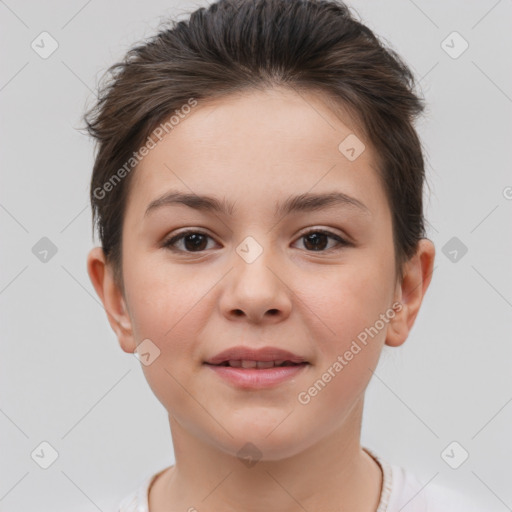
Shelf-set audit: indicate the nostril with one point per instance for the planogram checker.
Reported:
(271, 312)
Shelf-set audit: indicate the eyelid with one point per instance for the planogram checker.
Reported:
(167, 243)
(326, 231)
(186, 231)
(342, 240)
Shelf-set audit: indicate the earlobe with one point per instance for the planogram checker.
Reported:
(416, 279)
(397, 332)
(101, 276)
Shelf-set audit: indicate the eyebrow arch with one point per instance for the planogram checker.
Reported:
(301, 203)
(311, 202)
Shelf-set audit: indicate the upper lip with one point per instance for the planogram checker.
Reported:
(250, 354)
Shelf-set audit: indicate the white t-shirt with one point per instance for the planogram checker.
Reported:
(401, 492)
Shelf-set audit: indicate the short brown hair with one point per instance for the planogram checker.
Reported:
(237, 45)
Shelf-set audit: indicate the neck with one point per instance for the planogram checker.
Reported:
(334, 473)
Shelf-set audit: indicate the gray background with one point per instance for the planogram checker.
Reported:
(64, 378)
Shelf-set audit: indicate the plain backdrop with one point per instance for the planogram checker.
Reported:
(65, 381)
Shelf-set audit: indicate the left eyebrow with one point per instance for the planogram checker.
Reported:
(311, 202)
(307, 202)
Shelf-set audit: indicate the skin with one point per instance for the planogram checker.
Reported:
(255, 150)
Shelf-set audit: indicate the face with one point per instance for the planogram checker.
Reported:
(257, 273)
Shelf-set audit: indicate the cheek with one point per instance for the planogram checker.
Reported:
(162, 301)
(356, 306)
(346, 311)
(349, 354)
(167, 311)
(343, 303)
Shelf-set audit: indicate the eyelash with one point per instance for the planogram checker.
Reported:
(171, 241)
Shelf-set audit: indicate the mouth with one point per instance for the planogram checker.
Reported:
(248, 368)
(258, 365)
(250, 374)
(243, 356)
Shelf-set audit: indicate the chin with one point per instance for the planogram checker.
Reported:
(263, 442)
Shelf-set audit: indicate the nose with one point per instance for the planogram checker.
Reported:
(256, 291)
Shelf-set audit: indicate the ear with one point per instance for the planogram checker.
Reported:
(102, 278)
(410, 292)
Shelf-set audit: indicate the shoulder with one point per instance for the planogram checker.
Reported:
(402, 491)
(409, 494)
(137, 500)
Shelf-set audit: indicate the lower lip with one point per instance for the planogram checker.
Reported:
(253, 378)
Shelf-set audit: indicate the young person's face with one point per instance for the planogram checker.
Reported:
(254, 152)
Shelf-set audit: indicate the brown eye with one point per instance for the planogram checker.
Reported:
(193, 241)
(318, 240)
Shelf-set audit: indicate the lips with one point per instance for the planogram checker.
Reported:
(249, 369)
(263, 358)
(246, 364)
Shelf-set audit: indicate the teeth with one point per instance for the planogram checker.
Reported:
(255, 364)
(265, 364)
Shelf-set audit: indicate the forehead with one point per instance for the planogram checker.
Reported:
(256, 146)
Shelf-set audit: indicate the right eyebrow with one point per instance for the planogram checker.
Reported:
(204, 203)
